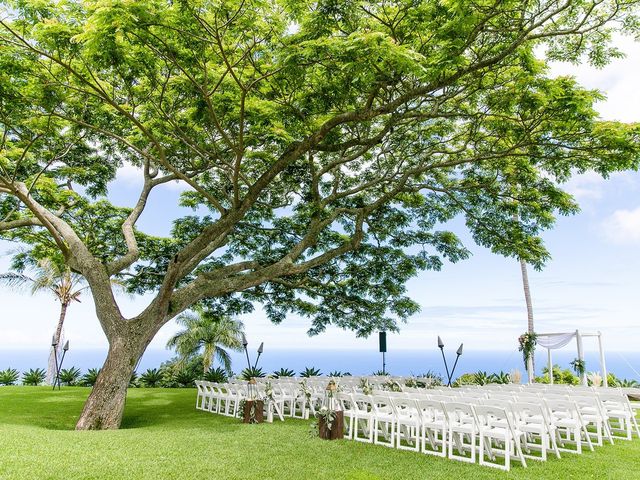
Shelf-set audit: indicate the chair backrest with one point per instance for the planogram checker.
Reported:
(458, 412)
(564, 408)
(382, 405)
(615, 401)
(362, 403)
(442, 398)
(431, 410)
(528, 397)
(490, 416)
(475, 394)
(528, 412)
(346, 402)
(502, 396)
(405, 407)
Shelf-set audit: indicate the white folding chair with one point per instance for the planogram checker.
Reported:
(408, 423)
(384, 421)
(533, 420)
(200, 398)
(463, 431)
(349, 410)
(363, 420)
(434, 427)
(496, 429)
(616, 407)
(593, 413)
(565, 416)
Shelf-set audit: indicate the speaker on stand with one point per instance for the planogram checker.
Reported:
(382, 340)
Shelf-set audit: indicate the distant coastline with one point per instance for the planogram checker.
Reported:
(358, 362)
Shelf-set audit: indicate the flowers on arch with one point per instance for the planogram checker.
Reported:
(527, 341)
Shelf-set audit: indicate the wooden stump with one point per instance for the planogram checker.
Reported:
(337, 427)
(258, 414)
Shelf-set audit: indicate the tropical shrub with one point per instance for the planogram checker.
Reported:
(625, 383)
(253, 372)
(310, 372)
(70, 376)
(185, 378)
(134, 381)
(33, 377)
(502, 378)
(9, 376)
(560, 376)
(181, 372)
(338, 374)
(380, 373)
(217, 375)
(612, 380)
(151, 378)
(465, 379)
(434, 379)
(89, 378)
(284, 372)
(481, 378)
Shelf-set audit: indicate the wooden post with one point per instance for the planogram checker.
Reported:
(337, 427)
(258, 411)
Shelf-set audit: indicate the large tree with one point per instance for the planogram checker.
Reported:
(329, 140)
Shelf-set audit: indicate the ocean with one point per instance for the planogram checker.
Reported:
(357, 362)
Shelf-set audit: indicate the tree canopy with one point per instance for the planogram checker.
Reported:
(331, 142)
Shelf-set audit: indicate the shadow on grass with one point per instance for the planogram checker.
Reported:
(42, 407)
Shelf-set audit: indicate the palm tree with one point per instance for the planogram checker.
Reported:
(57, 278)
(527, 298)
(210, 333)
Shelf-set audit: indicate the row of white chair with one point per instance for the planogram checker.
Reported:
(483, 428)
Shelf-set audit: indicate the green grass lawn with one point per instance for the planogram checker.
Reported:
(164, 437)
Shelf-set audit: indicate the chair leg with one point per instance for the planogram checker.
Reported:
(521, 453)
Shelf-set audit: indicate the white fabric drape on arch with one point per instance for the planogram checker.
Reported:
(553, 342)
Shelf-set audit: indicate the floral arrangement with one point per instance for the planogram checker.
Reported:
(527, 346)
(411, 382)
(392, 386)
(579, 366)
(306, 392)
(268, 390)
(365, 386)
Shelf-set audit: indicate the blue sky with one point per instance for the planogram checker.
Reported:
(592, 282)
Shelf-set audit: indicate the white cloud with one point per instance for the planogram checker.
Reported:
(585, 186)
(129, 175)
(592, 186)
(623, 227)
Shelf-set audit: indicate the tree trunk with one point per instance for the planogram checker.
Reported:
(51, 367)
(527, 298)
(104, 408)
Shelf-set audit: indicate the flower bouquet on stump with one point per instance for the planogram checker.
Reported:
(330, 416)
(252, 408)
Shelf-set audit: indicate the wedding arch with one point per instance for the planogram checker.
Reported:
(554, 341)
